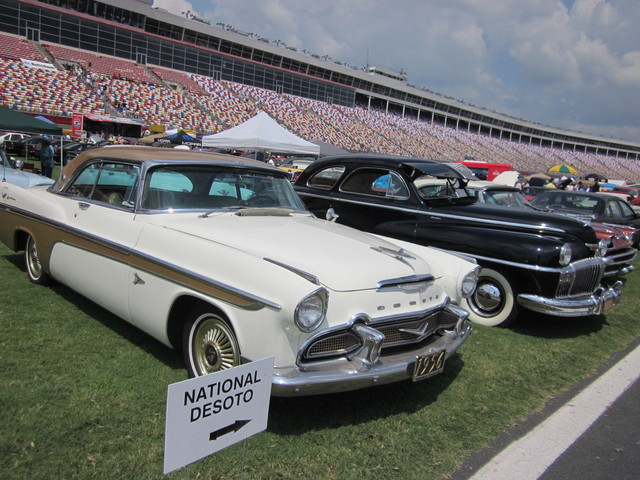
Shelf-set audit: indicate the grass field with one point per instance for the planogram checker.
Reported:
(83, 394)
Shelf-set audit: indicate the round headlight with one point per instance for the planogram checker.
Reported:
(602, 248)
(565, 255)
(469, 282)
(311, 310)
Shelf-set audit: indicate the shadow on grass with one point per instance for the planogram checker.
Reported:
(296, 415)
(548, 326)
(171, 358)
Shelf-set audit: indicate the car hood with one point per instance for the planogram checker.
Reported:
(302, 242)
(525, 219)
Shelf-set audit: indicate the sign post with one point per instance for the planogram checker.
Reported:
(209, 413)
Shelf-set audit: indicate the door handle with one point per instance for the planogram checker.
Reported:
(84, 205)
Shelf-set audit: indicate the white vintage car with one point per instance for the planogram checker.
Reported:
(217, 256)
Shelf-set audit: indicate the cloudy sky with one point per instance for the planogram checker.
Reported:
(572, 64)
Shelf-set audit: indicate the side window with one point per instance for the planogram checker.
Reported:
(377, 182)
(116, 184)
(613, 210)
(327, 178)
(85, 182)
(108, 182)
(627, 211)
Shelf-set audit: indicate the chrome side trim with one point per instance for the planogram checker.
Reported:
(308, 276)
(441, 215)
(126, 255)
(258, 302)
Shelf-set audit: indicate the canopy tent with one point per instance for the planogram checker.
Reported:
(14, 121)
(182, 138)
(261, 133)
(327, 149)
(154, 138)
(44, 119)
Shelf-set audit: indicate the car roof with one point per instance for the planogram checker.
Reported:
(152, 155)
(418, 165)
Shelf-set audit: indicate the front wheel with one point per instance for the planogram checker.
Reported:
(209, 343)
(35, 272)
(493, 303)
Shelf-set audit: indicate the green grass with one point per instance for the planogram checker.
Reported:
(83, 394)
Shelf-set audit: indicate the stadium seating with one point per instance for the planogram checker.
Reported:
(93, 83)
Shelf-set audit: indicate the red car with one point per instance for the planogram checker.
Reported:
(620, 253)
(633, 191)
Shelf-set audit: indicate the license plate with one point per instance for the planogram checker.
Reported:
(429, 365)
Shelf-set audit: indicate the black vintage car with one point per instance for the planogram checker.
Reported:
(540, 261)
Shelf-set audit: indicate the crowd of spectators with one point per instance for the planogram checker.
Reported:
(90, 83)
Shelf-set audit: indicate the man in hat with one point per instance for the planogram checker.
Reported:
(46, 157)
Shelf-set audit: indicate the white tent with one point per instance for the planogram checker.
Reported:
(261, 133)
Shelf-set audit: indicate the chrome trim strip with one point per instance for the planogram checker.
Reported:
(257, 301)
(241, 293)
(444, 215)
(307, 276)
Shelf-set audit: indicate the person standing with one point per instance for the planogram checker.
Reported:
(46, 157)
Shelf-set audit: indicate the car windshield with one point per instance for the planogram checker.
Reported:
(443, 190)
(505, 198)
(213, 187)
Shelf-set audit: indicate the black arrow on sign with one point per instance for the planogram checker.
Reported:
(234, 427)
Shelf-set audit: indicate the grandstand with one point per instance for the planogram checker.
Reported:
(128, 59)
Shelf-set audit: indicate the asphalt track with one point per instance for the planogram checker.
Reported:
(589, 433)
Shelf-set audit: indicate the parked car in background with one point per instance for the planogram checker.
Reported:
(294, 166)
(29, 145)
(608, 209)
(531, 192)
(199, 247)
(620, 251)
(9, 174)
(11, 137)
(495, 194)
(531, 259)
(633, 192)
(72, 150)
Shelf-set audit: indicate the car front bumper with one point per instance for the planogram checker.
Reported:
(361, 370)
(601, 300)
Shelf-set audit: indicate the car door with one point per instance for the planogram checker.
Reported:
(619, 212)
(100, 232)
(372, 199)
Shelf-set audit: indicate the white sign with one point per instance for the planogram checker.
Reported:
(206, 414)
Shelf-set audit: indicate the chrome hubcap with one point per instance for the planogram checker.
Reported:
(488, 297)
(214, 347)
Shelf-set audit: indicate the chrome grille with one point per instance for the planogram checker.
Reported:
(398, 333)
(581, 277)
(339, 343)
